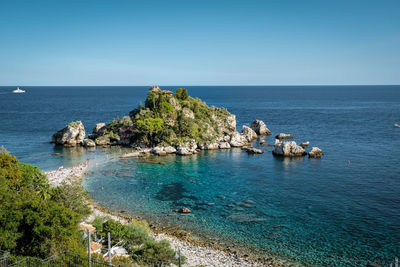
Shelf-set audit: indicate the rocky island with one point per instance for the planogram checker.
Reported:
(167, 123)
(175, 123)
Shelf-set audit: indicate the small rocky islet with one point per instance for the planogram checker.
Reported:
(175, 123)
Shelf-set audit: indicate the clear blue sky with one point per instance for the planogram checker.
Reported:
(202, 42)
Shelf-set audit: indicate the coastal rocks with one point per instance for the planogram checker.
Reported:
(315, 153)
(183, 151)
(185, 210)
(187, 113)
(169, 149)
(277, 142)
(229, 123)
(252, 150)
(248, 133)
(260, 128)
(98, 130)
(72, 135)
(210, 146)
(305, 144)
(224, 145)
(162, 151)
(263, 142)
(237, 140)
(283, 136)
(159, 151)
(88, 143)
(289, 149)
(187, 148)
(131, 155)
(103, 141)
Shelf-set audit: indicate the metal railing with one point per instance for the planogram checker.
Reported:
(67, 259)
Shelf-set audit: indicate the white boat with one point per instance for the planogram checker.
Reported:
(396, 125)
(18, 91)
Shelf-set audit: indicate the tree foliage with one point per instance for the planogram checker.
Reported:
(32, 222)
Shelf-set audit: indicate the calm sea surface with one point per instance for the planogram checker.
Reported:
(341, 210)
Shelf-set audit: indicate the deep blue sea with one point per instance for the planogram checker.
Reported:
(341, 210)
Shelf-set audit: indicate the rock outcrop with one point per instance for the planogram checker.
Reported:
(289, 149)
(72, 135)
(305, 144)
(253, 150)
(238, 140)
(98, 130)
(283, 136)
(224, 145)
(248, 133)
(260, 128)
(103, 140)
(277, 142)
(315, 153)
(88, 143)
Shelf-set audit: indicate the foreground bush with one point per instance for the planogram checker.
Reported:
(142, 248)
(32, 221)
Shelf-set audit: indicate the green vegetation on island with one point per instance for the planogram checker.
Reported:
(168, 119)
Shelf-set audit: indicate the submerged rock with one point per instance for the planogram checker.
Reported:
(248, 133)
(315, 153)
(283, 136)
(185, 210)
(259, 127)
(72, 135)
(289, 149)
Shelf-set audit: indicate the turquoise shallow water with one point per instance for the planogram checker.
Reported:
(342, 210)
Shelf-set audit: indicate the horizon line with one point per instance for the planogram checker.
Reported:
(221, 85)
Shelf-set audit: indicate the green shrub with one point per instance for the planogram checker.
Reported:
(74, 123)
(72, 196)
(153, 251)
(33, 224)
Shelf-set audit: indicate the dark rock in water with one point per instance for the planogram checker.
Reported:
(72, 135)
(252, 150)
(263, 142)
(221, 197)
(315, 153)
(123, 211)
(283, 136)
(260, 128)
(185, 210)
(249, 201)
(245, 205)
(305, 144)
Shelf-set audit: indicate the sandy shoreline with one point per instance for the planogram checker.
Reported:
(195, 254)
